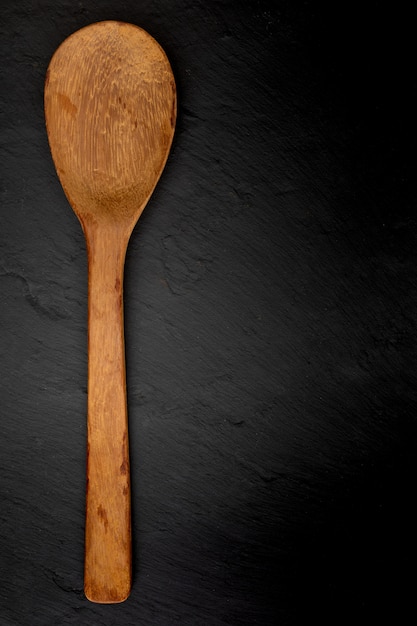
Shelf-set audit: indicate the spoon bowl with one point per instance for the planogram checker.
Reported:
(110, 111)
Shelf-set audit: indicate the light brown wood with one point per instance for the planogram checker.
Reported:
(110, 110)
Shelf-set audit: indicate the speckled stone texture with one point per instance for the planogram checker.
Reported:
(270, 312)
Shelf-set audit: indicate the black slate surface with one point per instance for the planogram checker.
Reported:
(270, 323)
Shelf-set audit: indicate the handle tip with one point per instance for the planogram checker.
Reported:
(106, 595)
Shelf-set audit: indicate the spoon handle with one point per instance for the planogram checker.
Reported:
(108, 554)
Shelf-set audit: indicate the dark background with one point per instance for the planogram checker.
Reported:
(270, 324)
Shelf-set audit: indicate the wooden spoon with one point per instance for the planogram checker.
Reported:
(110, 109)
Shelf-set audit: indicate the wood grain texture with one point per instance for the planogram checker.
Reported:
(110, 111)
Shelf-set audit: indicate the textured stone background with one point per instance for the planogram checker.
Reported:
(270, 324)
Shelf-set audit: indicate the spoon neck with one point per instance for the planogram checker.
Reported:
(107, 253)
(106, 257)
(106, 250)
